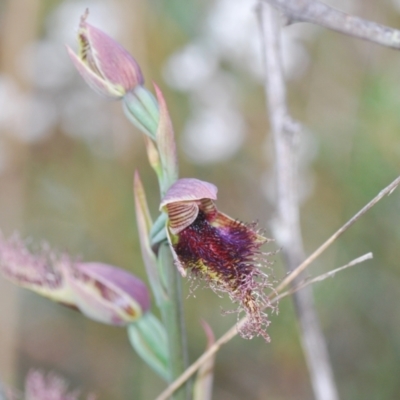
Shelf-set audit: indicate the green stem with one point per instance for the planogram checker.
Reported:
(151, 116)
(172, 314)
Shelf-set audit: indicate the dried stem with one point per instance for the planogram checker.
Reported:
(287, 228)
(322, 277)
(321, 14)
(231, 333)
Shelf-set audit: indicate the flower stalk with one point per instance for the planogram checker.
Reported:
(161, 151)
(165, 283)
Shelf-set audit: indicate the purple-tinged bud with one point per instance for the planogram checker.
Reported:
(103, 63)
(224, 252)
(101, 292)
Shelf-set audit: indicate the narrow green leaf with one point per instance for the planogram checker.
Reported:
(149, 338)
(158, 231)
(144, 223)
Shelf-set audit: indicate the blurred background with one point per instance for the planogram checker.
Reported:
(67, 159)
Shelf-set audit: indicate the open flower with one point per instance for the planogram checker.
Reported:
(104, 64)
(223, 251)
(101, 292)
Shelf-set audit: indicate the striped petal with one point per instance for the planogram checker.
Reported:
(181, 215)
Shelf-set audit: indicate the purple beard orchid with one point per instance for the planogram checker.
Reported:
(222, 251)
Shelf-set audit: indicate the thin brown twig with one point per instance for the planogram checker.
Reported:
(321, 14)
(231, 333)
(322, 277)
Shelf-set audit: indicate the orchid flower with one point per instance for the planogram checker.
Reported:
(222, 251)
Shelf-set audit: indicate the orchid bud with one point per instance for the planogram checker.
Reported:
(103, 63)
(101, 292)
(222, 251)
